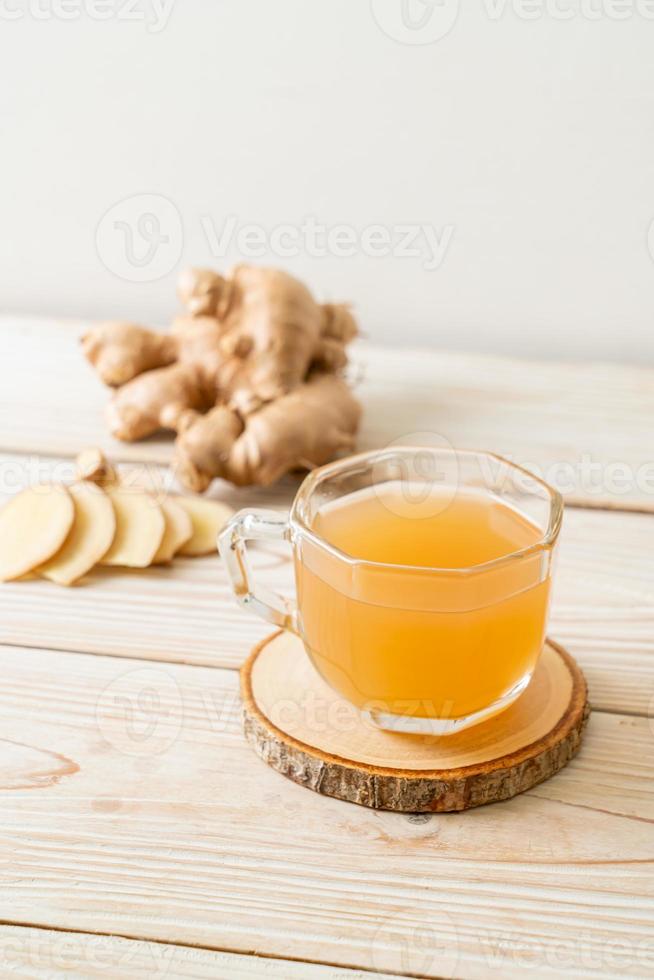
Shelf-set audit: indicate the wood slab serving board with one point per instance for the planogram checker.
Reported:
(309, 733)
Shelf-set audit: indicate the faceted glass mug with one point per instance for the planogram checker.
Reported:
(417, 649)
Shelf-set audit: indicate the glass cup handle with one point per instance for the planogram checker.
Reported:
(256, 525)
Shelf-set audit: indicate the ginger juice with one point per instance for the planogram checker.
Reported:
(418, 622)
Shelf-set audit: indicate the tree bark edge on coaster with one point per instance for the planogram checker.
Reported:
(426, 774)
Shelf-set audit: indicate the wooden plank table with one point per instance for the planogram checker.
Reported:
(142, 837)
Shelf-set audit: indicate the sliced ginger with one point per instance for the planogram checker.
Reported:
(179, 530)
(140, 528)
(60, 533)
(192, 523)
(208, 518)
(92, 465)
(33, 527)
(89, 539)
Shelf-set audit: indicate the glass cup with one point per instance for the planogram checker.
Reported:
(417, 649)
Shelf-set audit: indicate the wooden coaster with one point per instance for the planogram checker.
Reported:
(309, 733)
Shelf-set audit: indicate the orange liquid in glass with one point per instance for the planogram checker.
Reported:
(418, 642)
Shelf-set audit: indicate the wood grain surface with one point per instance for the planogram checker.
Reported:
(168, 825)
(46, 954)
(133, 811)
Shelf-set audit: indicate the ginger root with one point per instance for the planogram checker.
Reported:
(248, 378)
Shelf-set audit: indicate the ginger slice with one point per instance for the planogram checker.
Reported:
(33, 527)
(140, 527)
(208, 517)
(90, 538)
(179, 530)
(92, 465)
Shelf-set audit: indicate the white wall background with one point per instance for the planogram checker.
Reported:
(532, 140)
